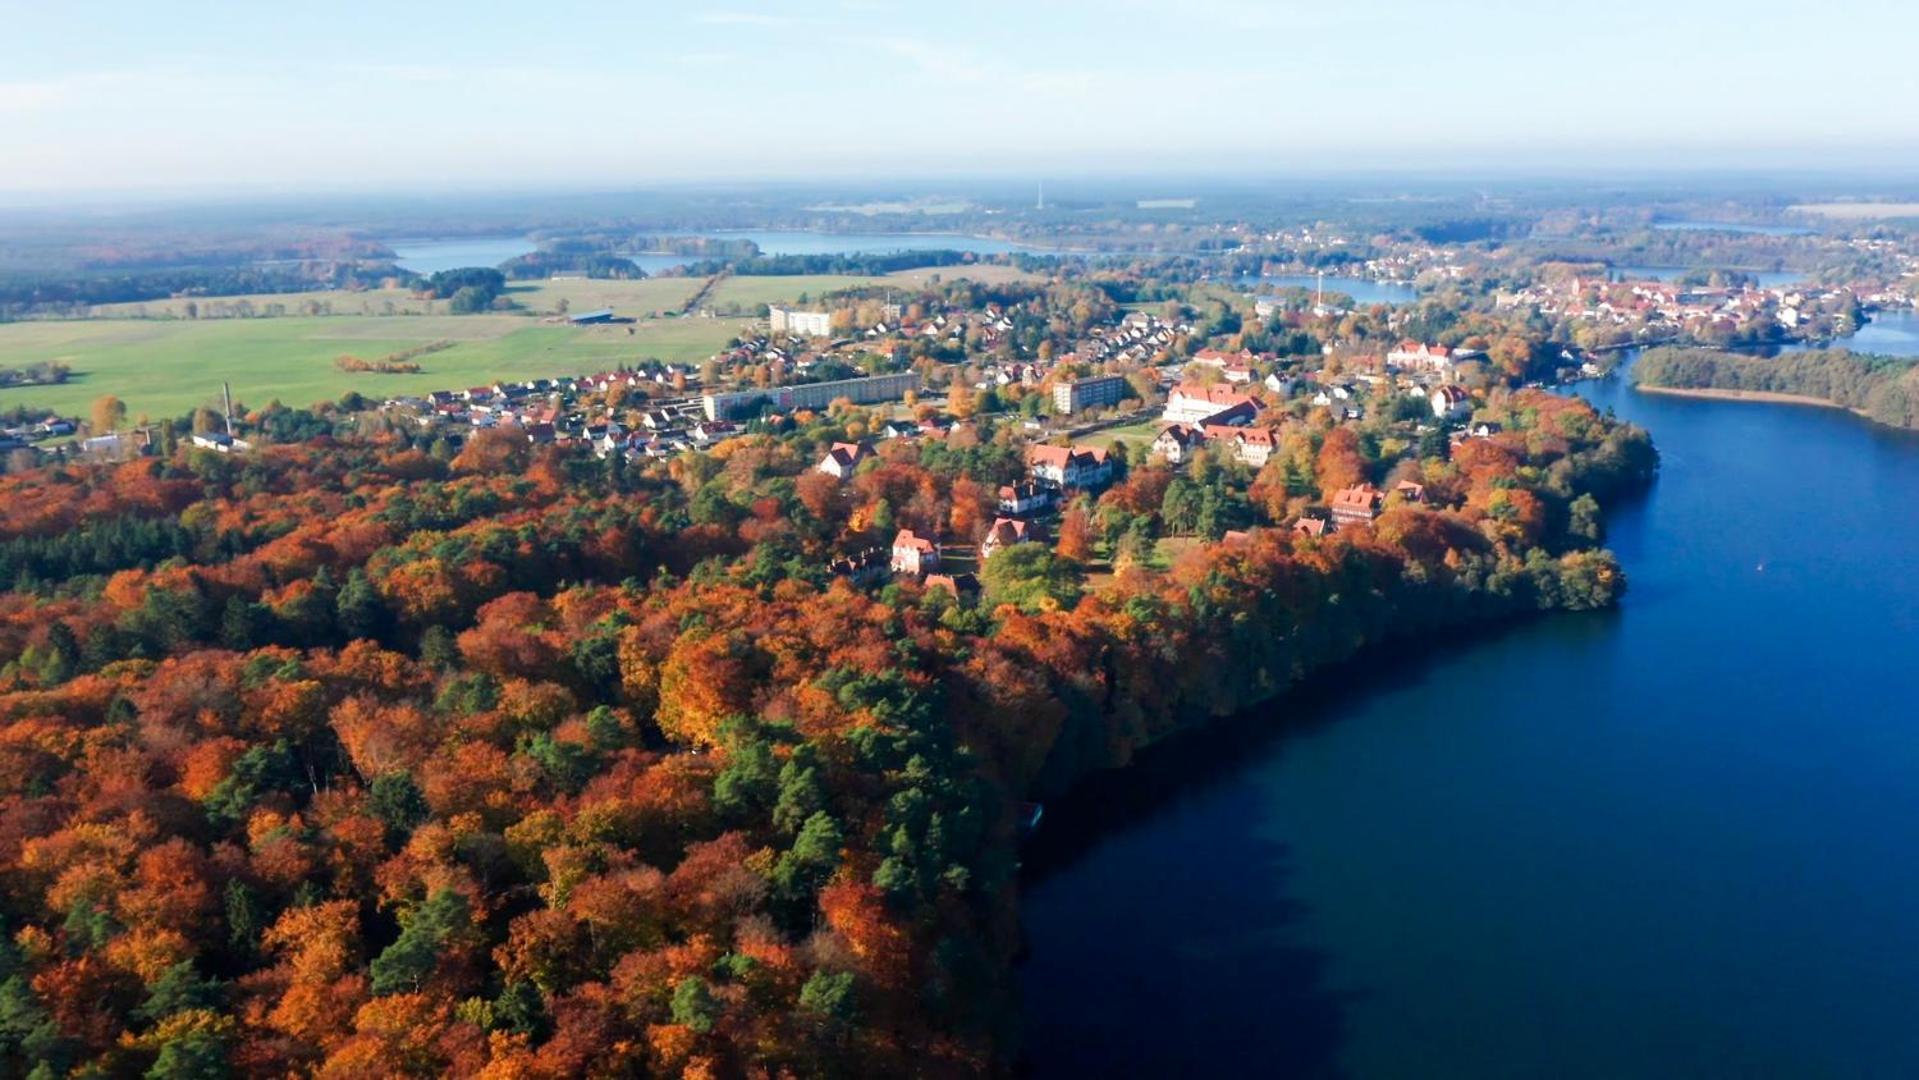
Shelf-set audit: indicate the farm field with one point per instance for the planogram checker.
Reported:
(337, 302)
(165, 368)
(634, 299)
(749, 292)
(162, 363)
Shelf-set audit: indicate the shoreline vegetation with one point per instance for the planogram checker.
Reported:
(1882, 389)
(1754, 396)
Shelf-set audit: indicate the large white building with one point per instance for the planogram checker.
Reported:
(800, 323)
(722, 404)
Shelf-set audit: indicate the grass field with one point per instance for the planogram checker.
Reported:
(748, 292)
(636, 299)
(165, 368)
(162, 363)
(1145, 431)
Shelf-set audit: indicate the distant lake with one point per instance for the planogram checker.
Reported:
(823, 243)
(1362, 290)
(1732, 227)
(1768, 279)
(426, 256)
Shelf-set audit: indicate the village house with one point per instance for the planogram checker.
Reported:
(1005, 533)
(1254, 446)
(1418, 357)
(842, 459)
(1314, 526)
(1356, 505)
(1023, 498)
(1176, 442)
(863, 568)
(914, 555)
(1451, 402)
(1069, 467)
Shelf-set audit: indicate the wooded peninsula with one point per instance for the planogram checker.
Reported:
(1881, 388)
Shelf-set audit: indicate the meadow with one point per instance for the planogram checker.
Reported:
(283, 346)
(169, 367)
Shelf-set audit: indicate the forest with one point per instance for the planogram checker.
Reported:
(1882, 388)
(362, 755)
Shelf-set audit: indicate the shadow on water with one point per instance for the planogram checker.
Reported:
(1214, 978)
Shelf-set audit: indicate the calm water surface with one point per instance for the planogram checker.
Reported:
(1364, 291)
(427, 256)
(1890, 333)
(1672, 840)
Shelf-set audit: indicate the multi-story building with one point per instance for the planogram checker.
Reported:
(865, 391)
(800, 323)
(1072, 396)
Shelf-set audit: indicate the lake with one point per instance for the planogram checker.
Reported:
(1731, 227)
(1364, 291)
(427, 256)
(1890, 333)
(1671, 840)
(1767, 279)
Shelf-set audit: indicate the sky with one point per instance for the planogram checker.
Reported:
(130, 95)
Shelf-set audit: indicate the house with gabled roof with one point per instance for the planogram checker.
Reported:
(1357, 505)
(914, 554)
(1004, 533)
(843, 458)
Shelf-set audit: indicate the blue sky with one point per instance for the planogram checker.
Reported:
(125, 95)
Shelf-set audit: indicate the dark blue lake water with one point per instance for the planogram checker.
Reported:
(1671, 840)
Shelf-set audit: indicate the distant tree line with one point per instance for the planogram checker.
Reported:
(27, 294)
(847, 263)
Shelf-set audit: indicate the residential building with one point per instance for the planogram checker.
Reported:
(1005, 533)
(1356, 505)
(1176, 442)
(1071, 397)
(842, 459)
(800, 323)
(1451, 402)
(914, 555)
(1024, 498)
(1068, 467)
(866, 391)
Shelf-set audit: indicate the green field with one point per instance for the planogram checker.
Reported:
(636, 299)
(748, 292)
(162, 363)
(1144, 431)
(165, 368)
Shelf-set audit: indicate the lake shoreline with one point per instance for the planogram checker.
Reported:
(1764, 397)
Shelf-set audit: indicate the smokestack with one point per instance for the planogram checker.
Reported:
(226, 399)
